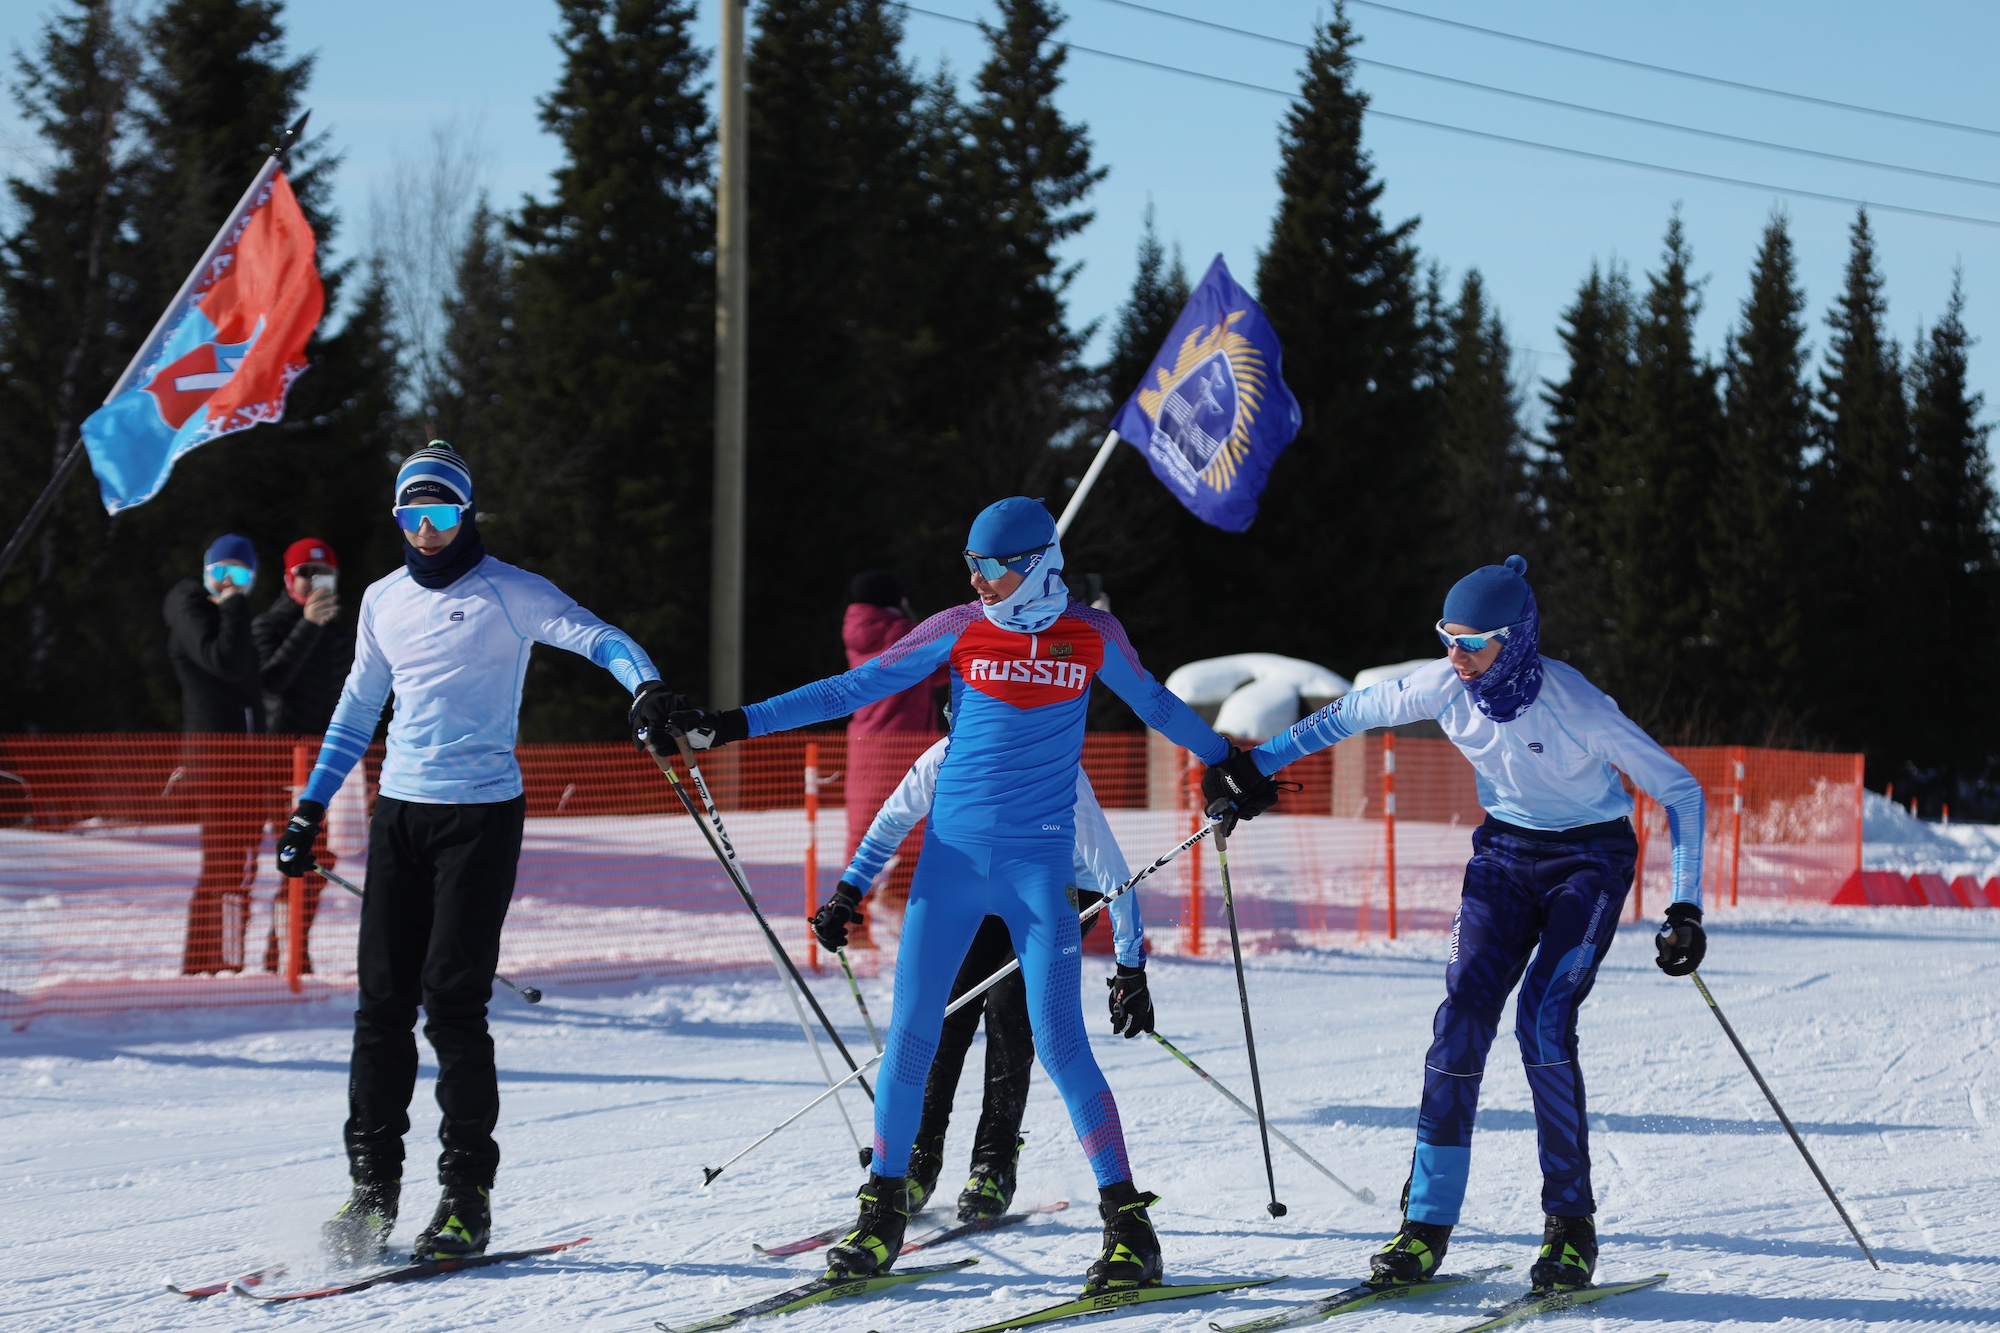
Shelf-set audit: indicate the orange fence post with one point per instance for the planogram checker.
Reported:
(1639, 799)
(812, 847)
(1736, 757)
(1389, 820)
(1194, 768)
(295, 889)
(1860, 804)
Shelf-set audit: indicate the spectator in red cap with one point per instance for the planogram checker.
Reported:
(305, 650)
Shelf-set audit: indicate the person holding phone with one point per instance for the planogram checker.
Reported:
(304, 648)
(210, 646)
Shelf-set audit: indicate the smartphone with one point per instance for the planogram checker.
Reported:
(325, 582)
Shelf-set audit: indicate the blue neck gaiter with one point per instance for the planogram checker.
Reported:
(451, 564)
(1507, 687)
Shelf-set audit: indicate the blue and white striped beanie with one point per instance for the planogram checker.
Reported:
(434, 474)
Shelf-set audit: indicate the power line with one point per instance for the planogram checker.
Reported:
(1570, 106)
(1492, 137)
(1681, 73)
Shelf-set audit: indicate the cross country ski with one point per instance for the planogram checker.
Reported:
(1119, 1299)
(816, 1292)
(1358, 1297)
(250, 1279)
(412, 1272)
(1537, 1303)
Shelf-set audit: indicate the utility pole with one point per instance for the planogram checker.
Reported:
(732, 348)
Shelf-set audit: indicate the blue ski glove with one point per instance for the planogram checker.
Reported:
(295, 844)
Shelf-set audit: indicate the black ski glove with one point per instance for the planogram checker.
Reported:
(1237, 789)
(652, 705)
(831, 920)
(707, 729)
(295, 844)
(1682, 942)
(1085, 900)
(1131, 1002)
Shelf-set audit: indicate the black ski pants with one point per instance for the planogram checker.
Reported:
(1010, 1052)
(439, 881)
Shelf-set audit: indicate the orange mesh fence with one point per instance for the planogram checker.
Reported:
(137, 870)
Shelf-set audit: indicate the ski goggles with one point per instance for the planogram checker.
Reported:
(991, 567)
(1473, 643)
(223, 571)
(443, 517)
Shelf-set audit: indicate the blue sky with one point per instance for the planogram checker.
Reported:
(1206, 154)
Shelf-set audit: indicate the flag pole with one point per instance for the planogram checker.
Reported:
(67, 467)
(1104, 453)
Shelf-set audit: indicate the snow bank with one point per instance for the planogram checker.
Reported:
(1255, 695)
(1893, 840)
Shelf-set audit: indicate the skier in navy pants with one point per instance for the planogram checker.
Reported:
(1549, 873)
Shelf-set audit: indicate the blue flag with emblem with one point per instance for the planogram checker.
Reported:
(1212, 412)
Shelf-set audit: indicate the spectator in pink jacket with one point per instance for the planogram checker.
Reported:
(886, 737)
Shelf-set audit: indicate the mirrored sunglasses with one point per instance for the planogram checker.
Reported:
(992, 567)
(443, 517)
(1473, 643)
(224, 572)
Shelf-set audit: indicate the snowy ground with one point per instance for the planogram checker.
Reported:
(191, 1145)
(1895, 840)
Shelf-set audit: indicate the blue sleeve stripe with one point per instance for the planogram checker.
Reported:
(624, 659)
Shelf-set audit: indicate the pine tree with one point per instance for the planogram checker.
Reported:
(1861, 510)
(1585, 471)
(1952, 580)
(1752, 558)
(1030, 171)
(1483, 487)
(1341, 289)
(841, 268)
(1661, 669)
(67, 327)
(479, 371)
(596, 469)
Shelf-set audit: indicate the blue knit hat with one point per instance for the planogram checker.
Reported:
(434, 473)
(1490, 597)
(230, 546)
(1013, 526)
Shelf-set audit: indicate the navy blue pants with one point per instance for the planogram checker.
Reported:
(1540, 912)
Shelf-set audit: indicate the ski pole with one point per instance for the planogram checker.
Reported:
(1275, 1208)
(855, 987)
(709, 1173)
(779, 960)
(528, 993)
(1364, 1195)
(1783, 1119)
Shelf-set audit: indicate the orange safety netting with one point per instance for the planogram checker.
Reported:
(137, 870)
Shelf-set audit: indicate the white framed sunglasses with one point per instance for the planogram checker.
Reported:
(1473, 643)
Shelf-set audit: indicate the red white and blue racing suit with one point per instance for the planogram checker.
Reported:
(1001, 838)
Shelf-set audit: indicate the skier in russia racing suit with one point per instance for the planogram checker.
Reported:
(1001, 837)
(1549, 873)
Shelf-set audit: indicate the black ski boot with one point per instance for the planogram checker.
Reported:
(1131, 1253)
(926, 1164)
(359, 1232)
(1412, 1254)
(1569, 1254)
(460, 1226)
(990, 1189)
(877, 1237)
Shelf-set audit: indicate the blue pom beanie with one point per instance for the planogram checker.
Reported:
(434, 473)
(1012, 526)
(230, 546)
(1490, 597)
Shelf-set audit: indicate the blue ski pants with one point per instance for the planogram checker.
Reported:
(957, 886)
(1538, 910)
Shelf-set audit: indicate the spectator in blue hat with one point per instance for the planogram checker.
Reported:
(222, 694)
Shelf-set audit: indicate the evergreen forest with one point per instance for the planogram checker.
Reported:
(1790, 541)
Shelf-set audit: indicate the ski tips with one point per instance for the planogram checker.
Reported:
(1276, 1209)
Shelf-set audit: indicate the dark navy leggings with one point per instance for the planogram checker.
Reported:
(1539, 912)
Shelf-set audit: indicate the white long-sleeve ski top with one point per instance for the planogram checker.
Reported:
(456, 659)
(1097, 861)
(1554, 767)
